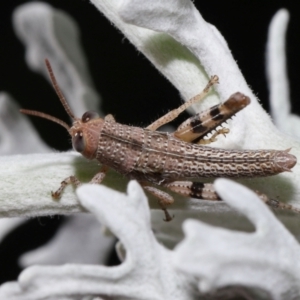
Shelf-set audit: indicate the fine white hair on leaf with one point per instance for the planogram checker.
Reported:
(146, 273)
(17, 135)
(246, 259)
(277, 75)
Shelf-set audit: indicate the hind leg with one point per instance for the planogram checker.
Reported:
(173, 114)
(185, 188)
(198, 190)
(195, 128)
(206, 191)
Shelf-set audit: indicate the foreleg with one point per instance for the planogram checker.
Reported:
(97, 179)
(69, 180)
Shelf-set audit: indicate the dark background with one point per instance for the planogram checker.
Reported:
(131, 88)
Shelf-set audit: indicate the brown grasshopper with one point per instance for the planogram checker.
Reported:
(169, 159)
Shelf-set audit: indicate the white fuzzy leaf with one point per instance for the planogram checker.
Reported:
(267, 258)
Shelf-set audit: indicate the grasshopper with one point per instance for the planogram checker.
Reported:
(170, 160)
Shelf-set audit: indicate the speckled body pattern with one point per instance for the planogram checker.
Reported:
(160, 157)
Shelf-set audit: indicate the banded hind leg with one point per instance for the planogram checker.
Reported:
(206, 191)
(198, 190)
(198, 126)
(203, 191)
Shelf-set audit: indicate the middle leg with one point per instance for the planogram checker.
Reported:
(164, 199)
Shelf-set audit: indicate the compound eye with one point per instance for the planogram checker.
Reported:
(78, 142)
(89, 115)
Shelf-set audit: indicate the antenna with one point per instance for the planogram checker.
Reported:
(58, 91)
(45, 116)
(61, 98)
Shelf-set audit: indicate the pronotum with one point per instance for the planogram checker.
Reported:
(169, 159)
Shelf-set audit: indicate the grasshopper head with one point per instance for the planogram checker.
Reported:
(84, 132)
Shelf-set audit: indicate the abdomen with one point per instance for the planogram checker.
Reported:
(165, 158)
